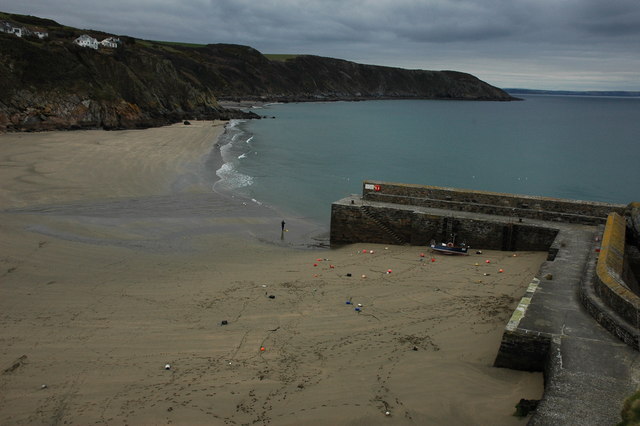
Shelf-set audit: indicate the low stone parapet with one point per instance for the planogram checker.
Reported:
(485, 202)
(611, 271)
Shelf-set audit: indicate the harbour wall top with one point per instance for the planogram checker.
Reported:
(510, 205)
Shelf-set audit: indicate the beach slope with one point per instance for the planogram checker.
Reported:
(131, 293)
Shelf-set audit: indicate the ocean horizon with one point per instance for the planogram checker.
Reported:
(307, 155)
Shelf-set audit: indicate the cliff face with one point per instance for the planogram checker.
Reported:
(240, 72)
(52, 83)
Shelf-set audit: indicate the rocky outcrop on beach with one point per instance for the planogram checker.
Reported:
(54, 83)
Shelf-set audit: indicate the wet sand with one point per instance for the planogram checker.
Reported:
(116, 259)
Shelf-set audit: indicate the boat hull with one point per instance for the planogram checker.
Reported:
(451, 250)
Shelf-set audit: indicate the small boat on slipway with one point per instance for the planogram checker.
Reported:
(450, 248)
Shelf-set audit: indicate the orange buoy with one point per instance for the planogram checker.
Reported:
(501, 270)
(487, 261)
(262, 349)
(388, 271)
(421, 254)
(433, 259)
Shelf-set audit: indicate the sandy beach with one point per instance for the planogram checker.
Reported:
(131, 293)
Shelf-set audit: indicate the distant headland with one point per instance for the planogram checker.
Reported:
(57, 77)
(613, 93)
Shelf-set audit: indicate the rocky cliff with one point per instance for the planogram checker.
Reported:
(52, 83)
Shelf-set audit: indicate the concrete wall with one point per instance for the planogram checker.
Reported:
(522, 349)
(508, 205)
(611, 272)
(352, 223)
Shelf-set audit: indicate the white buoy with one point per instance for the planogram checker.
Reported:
(167, 366)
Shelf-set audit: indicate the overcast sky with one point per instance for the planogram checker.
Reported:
(538, 44)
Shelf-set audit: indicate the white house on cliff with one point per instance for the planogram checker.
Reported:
(86, 41)
(8, 28)
(112, 42)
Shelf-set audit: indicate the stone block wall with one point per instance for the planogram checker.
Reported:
(609, 280)
(352, 223)
(522, 350)
(508, 205)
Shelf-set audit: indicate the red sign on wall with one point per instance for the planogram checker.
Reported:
(376, 188)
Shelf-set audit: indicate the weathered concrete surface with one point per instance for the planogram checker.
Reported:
(588, 372)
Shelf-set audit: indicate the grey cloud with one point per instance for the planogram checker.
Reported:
(609, 19)
(555, 36)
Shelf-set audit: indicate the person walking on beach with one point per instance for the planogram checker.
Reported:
(282, 225)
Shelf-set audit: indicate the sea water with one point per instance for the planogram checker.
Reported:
(304, 156)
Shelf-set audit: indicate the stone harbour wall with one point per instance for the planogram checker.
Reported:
(358, 222)
(522, 349)
(390, 213)
(588, 274)
(612, 273)
(508, 205)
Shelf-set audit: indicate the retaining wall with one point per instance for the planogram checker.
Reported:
(508, 205)
(522, 349)
(352, 223)
(613, 277)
